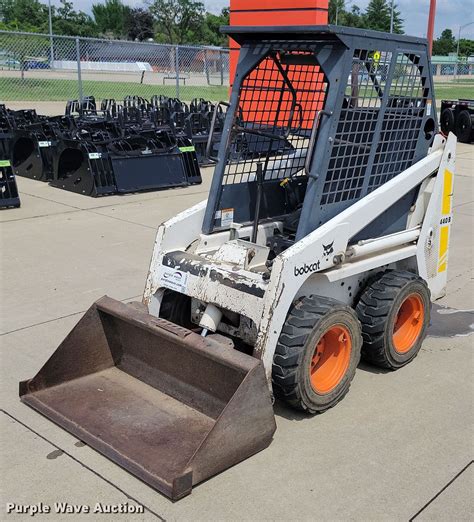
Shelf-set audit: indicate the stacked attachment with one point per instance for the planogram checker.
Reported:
(166, 404)
(98, 161)
(118, 148)
(134, 145)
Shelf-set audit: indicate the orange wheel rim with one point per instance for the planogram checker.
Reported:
(330, 359)
(408, 324)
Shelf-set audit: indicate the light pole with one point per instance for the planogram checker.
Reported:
(461, 27)
(391, 15)
(51, 47)
(431, 22)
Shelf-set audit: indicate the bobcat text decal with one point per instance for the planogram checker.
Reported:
(307, 269)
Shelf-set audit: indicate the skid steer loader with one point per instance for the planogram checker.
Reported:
(296, 265)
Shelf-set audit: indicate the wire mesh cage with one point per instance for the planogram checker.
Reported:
(328, 114)
(278, 102)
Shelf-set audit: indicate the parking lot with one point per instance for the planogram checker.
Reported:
(398, 446)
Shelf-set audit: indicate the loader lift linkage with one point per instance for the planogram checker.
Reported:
(325, 237)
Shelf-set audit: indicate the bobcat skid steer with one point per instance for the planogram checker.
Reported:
(299, 262)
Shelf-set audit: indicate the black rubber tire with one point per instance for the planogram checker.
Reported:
(447, 121)
(308, 319)
(465, 127)
(377, 310)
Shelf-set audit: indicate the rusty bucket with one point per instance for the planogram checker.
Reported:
(166, 404)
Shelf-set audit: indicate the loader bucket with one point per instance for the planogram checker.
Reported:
(166, 404)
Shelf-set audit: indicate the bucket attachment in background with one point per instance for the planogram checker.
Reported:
(9, 197)
(147, 161)
(166, 404)
(34, 153)
(101, 164)
(35, 147)
(84, 168)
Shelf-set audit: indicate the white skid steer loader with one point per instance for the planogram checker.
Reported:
(325, 236)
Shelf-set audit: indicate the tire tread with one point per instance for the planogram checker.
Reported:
(299, 324)
(373, 310)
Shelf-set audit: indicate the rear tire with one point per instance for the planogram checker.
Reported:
(464, 127)
(317, 354)
(447, 121)
(394, 312)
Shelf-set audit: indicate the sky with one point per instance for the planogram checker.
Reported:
(449, 13)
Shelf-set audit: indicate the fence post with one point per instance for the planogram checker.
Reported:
(51, 50)
(206, 68)
(79, 77)
(222, 66)
(176, 58)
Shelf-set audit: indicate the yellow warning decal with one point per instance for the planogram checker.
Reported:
(447, 193)
(443, 249)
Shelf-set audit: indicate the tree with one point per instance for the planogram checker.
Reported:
(336, 8)
(338, 12)
(178, 21)
(139, 24)
(445, 44)
(32, 16)
(211, 33)
(466, 47)
(377, 17)
(23, 14)
(353, 18)
(69, 22)
(111, 18)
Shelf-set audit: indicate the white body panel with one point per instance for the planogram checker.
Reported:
(322, 263)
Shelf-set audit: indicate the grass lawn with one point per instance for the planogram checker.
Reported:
(29, 89)
(32, 89)
(455, 90)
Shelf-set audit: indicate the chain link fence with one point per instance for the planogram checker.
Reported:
(44, 71)
(40, 69)
(461, 69)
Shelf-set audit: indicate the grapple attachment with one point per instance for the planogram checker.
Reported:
(166, 404)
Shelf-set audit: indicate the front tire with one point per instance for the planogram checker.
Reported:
(394, 311)
(317, 354)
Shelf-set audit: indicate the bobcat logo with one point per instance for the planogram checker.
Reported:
(328, 249)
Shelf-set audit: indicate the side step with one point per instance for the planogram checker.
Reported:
(166, 404)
